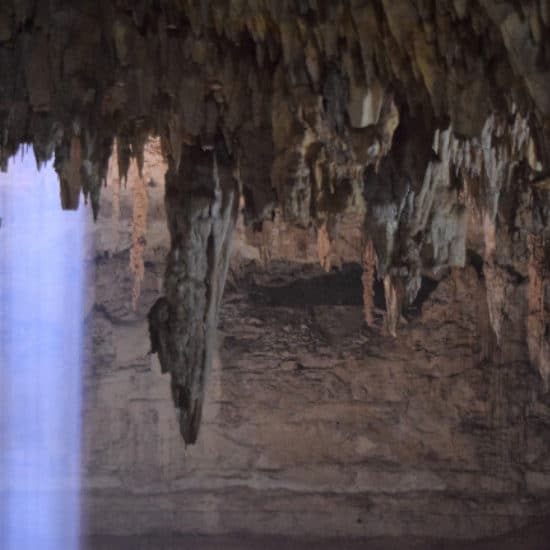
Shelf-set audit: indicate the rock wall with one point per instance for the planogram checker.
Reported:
(314, 424)
(408, 137)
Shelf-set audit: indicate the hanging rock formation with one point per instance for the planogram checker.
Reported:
(201, 204)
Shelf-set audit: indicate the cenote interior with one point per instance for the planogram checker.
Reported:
(274, 274)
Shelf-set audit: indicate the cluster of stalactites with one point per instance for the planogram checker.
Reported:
(178, 66)
(461, 56)
(487, 196)
(79, 159)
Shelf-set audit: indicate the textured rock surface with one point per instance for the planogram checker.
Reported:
(418, 114)
(313, 424)
(409, 137)
(201, 204)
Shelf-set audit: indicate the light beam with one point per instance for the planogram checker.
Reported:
(41, 347)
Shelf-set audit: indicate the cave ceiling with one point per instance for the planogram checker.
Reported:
(414, 115)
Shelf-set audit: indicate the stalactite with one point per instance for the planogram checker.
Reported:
(394, 302)
(369, 275)
(139, 230)
(202, 207)
(113, 182)
(70, 177)
(324, 247)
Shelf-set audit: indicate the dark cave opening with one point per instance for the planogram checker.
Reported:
(339, 287)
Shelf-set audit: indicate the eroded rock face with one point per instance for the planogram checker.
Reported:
(430, 120)
(313, 424)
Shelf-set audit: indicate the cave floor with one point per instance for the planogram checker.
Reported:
(535, 537)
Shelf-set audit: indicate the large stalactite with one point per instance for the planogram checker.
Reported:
(201, 203)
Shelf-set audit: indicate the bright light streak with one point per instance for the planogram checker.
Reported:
(41, 345)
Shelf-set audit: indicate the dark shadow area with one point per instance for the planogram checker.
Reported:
(427, 286)
(476, 261)
(339, 287)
